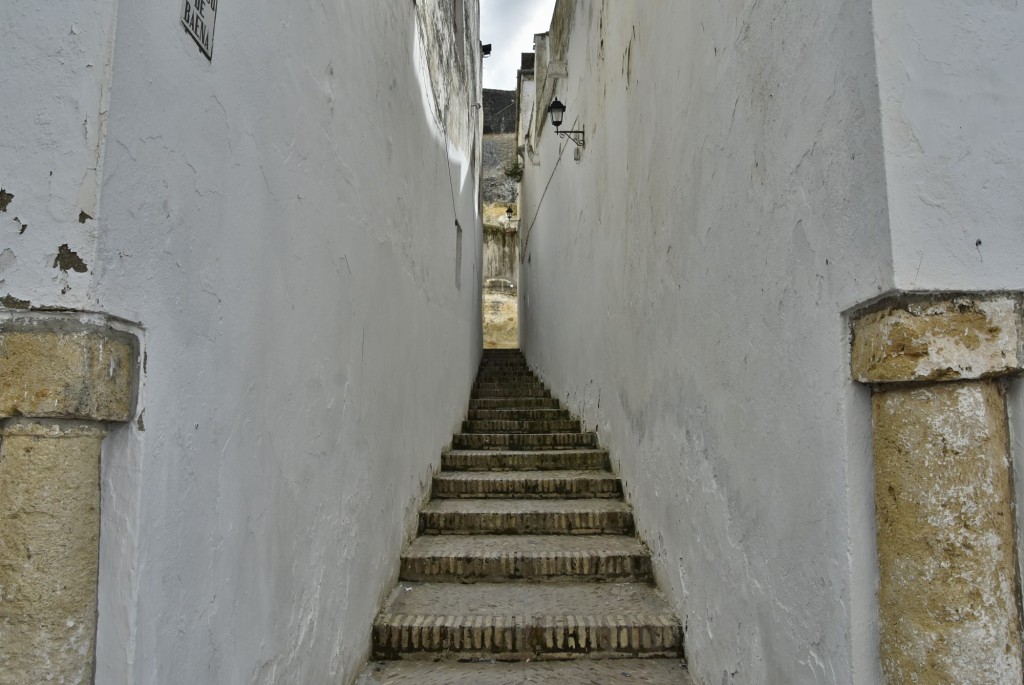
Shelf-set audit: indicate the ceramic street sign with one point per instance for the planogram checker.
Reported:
(198, 17)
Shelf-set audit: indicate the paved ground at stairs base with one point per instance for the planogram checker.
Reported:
(579, 672)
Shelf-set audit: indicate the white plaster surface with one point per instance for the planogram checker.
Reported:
(55, 66)
(683, 289)
(949, 74)
(282, 224)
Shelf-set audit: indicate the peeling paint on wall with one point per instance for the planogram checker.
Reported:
(14, 303)
(68, 260)
(59, 127)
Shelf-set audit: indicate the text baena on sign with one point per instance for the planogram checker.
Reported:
(199, 17)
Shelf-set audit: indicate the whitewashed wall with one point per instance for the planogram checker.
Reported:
(683, 289)
(952, 104)
(54, 86)
(281, 223)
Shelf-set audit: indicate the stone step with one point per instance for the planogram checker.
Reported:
(528, 426)
(505, 372)
(502, 362)
(496, 373)
(574, 672)
(526, 384)
(518, 415)
(574, 558)
(526, 621)
(514, 403)
(530, 460)
(527, 484)
(526, 516)
(505, 369)
(516, 441)
(509, 391)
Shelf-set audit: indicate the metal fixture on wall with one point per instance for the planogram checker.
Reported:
(557, 111)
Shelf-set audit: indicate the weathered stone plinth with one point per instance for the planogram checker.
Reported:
(60, 382)
(49, 538)
(949, 595)
(67, 370)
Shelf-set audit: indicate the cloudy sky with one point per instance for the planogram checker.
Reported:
(509, 25)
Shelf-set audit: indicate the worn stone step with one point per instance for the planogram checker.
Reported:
(509, 391)
(505, 383)
(530, 460)
(573, 672)
(517, 516)
(540, 484)
(516, 441)
(535, 621)
(514, 403)
(528, 426)
(526, 384)
(518, 415)
(505, 369)
(573, 558)
(509, 363)
(505, 372)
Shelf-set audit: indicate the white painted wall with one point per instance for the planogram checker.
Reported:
(54, 85)
(282, 223)
(952, 104)
(683, 289)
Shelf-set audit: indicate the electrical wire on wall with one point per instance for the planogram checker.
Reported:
(440, 119)
(529, 229)
(448, 157)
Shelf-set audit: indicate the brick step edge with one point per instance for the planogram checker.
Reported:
(537, 460)
(519, 415)
(503, 392)
(520, 426)
(513, 403)
(576, 567)
(511, 441)
(579, 487)
(526, 522)
(397, 636)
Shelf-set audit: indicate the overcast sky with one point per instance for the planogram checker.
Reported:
(509, 25)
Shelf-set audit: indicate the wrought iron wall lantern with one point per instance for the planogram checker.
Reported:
(557, 111)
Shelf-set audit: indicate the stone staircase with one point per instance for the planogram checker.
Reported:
(526, 569)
